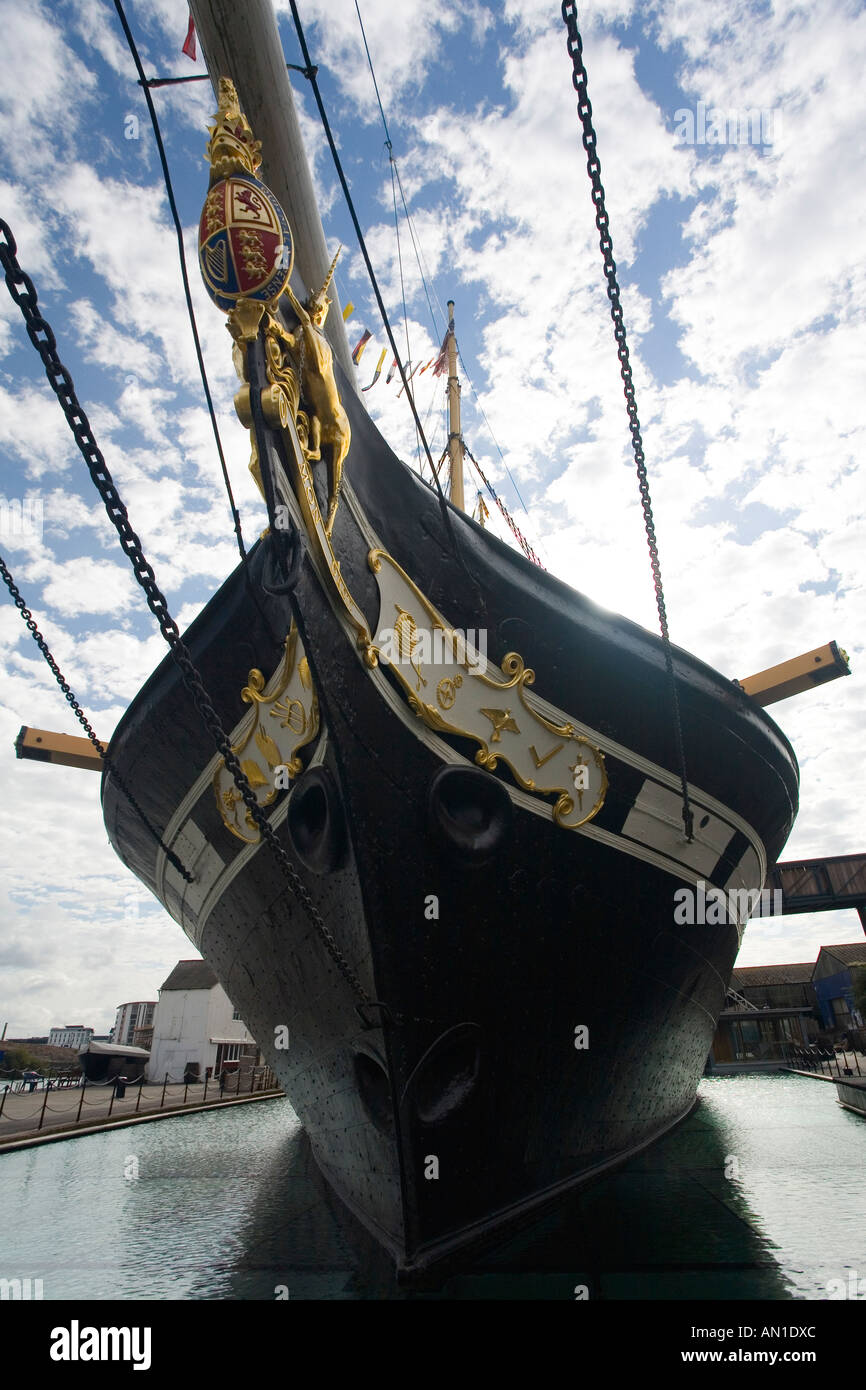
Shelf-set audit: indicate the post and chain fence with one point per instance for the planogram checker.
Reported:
(27, 1105)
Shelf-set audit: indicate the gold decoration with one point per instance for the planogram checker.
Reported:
(252, 253)
(406, 632)
(255, 777)
(512, 746)
(446, 690)
(500, 719)
(539, 762)
(243, 321)
(302, 481)
(291, 715)
(565, 804)
(267, 746)
(295, 359)
(216, 260)
(243, 410)
(281, 368)
(329, 423)
(232, 148)
(213, 209)
(302, 722)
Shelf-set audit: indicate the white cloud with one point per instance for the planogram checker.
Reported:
(404, 39)
(85, 585)
(37, 62)
(33, 429)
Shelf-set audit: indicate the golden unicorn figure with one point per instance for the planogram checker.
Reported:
(329, 423)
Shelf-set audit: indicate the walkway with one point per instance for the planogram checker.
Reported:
(38, 1116)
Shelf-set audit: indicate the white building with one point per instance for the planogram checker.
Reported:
(129, 1017)
(195, 1027)
(71, 1035)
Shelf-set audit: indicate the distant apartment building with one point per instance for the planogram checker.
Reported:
(196, 1030)
(71, 1035)
(133, 1018)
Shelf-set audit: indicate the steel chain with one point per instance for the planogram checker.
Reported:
(82, 718)
(574, 45)
(60, 381)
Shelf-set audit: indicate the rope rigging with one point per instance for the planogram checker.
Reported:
(519, 536)
(574, 45)
(511, 477)
(402, 283)
(395, 176)
(395, 172)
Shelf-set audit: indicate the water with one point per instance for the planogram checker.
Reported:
(760, 1194)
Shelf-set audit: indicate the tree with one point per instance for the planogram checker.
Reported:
(17, 1060)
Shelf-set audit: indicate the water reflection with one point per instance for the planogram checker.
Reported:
(758, 1195)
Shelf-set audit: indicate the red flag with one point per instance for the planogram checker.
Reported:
(442, 359)
(362, 342)
(189, 42)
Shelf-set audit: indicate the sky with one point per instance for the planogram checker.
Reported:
(743, 285)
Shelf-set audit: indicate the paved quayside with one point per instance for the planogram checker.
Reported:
(39, 1117)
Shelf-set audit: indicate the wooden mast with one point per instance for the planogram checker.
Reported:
(241, 41)
(455, 437)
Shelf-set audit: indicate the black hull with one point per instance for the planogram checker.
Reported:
(467, 1097)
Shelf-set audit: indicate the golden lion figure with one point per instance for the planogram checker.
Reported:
(329, 423)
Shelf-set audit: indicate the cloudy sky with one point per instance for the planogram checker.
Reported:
(744, 291)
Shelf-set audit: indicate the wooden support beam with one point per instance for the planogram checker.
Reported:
(42, 746)
(799, 674)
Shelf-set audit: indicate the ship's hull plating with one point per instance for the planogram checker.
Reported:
(541, 1012)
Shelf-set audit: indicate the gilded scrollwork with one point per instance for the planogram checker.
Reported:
(504, 732)
(265, 751)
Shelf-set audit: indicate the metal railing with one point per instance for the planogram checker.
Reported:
(826, 1061)
(97, 1100)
